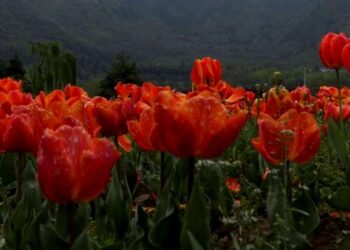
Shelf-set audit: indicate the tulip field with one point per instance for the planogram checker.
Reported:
(219, 167)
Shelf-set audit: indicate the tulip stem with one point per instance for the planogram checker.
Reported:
(287, 180)
(21, 164)
(340, 101)
(338, 77)
(190, 180)
(70, 216)
(162, 170)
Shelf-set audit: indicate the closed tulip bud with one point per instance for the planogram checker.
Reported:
(331, 48)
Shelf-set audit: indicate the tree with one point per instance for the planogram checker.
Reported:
(53, 68)
(122, 70)
(15, 68)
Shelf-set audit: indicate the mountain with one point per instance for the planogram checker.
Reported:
(165, 36)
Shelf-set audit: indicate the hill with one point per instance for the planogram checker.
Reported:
(165, 36)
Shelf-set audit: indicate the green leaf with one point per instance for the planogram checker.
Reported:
(196, 220)
(305, 214)
(117, 206)
(181, 167)
(276, 203)
(166, 201)
(50, 239)
(140, 230)
(338, 140)
(341, 199)
(61, 226)
(194, 243)
(211, 179)
(280, 216)
(8, 169)
(20, 214)
(41, 217)
(30, 186)
(81, 218)
(82, 242)
(165, 234)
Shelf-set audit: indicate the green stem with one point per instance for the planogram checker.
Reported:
(287, 183)
(125, 178)
(70, 216)
(162, 170)
(340, 102)
(190, 180)
(21, 165)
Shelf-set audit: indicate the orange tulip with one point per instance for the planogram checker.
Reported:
(75, 92)
(293, 136)
(107, 115)
(141, 130)
(233, 184)
(206, 71)
(198, 126)
(331, 49)
(275, 102)
(303, 100)
(68, 106)
(73, 166)
(14, 98)
(8, 84)
(333, 110)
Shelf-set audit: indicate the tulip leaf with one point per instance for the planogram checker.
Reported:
(118, 208)
(194, 243)
(61, 226)
(280, 216)
(118, 245)
(30, 186)
(165, 234)
(182, 166)
(338, 140)
(141, 228)
(166, 201)
(211, 179)
(81, 218)
(82, 242)
(20, 214)
(50, 239)
(305, 214)
(277, 204)
(341, 199)
(34, 227)
(196, 220)
(7, 169)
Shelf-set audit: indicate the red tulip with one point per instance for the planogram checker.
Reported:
(20, 133)
(206, 71)
(346, 56)
(331, 48)
(295, 136)
(73, 166)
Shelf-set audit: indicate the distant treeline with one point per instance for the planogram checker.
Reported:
(53, 67)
